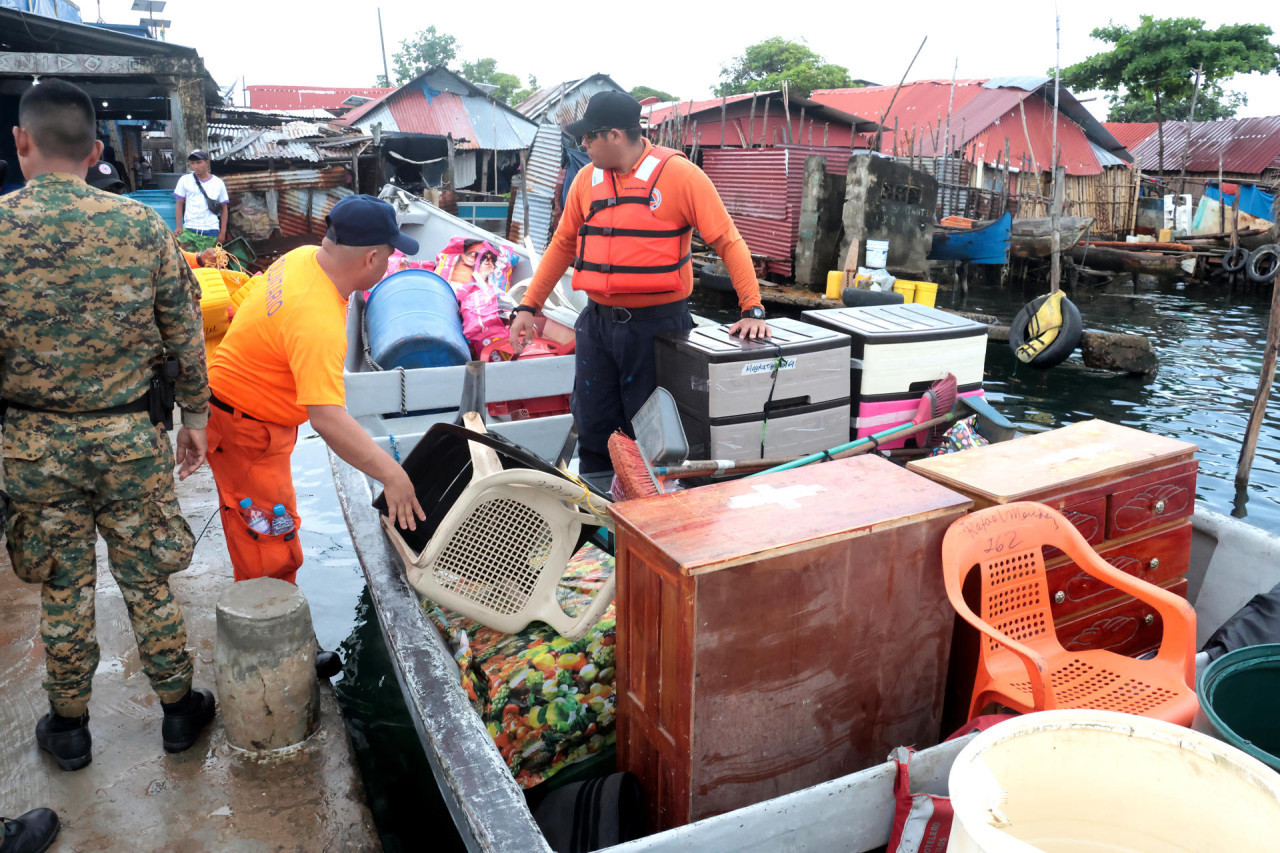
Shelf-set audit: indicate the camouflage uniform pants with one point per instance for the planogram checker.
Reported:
(70, 477)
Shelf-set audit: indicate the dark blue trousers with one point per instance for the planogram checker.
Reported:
(616, 372)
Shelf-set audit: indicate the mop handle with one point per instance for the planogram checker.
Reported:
(849, 448)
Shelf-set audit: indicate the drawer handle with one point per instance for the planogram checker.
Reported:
(1159, 507)
(1059, 597)
(1148, 619)
(1154, 564)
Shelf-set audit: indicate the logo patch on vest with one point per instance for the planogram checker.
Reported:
(655, 199)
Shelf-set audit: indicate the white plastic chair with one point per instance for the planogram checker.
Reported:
(500, 551)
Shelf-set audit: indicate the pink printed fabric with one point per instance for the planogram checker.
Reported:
(500, 278)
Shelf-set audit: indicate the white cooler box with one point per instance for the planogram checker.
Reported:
(722, 383)
(897, 352)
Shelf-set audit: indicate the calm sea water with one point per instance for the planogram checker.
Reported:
(1209, 341)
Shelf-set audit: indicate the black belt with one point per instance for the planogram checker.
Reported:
(226, 407)
(619, 314)
(141, 404)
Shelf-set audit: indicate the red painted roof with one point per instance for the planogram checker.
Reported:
(271, 97)
(445, 114)
(1130, 133)
(1246, 145)
(981, 119)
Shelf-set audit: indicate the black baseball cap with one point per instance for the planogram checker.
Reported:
(362, 220)
(607, 110)
(104, 176)
(198, 154)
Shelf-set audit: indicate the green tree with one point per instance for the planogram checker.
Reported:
(485, 71)
(522, 95)
(768, 64)
(642, 92)
(422, 51)
(1152, 69)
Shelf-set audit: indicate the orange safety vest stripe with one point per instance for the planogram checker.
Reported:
(623, 247)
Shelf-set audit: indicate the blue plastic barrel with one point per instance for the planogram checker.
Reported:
(412, 320)
(161, 201)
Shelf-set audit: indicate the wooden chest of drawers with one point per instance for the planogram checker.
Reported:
(1128, 492)
(779, 631)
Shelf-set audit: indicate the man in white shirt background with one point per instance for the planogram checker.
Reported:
(199, 194)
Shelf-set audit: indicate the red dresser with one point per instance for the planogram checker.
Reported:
(778, 631)
(1131, 495)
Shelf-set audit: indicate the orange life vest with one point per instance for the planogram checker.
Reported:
(623, 247)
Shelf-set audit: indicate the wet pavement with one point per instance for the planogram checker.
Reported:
(135, 797)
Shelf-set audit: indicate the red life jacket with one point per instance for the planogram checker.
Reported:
(623, 247)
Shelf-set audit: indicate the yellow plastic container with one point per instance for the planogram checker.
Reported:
(906, 288)
(926, 293)
(1166, 235)
(835, 284)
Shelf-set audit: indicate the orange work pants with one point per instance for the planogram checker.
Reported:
(251, 459)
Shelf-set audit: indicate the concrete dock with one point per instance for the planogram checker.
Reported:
(134, 797)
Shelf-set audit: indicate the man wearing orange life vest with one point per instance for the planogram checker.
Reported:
(626, 230)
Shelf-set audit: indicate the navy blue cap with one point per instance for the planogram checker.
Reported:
(362, 220)
(605, 111)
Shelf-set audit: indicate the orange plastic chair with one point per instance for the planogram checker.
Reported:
(1021, 663)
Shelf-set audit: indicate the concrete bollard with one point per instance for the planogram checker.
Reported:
(268, 696)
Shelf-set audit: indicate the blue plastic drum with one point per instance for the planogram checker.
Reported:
(412, 321)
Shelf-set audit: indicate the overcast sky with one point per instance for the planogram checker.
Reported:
(679, 47)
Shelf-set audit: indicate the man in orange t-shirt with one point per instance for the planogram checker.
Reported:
(627, 231)
(279, 366)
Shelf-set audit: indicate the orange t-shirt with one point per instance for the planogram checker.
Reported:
(285, 346)
(685, 196)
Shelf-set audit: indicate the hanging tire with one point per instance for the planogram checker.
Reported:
(1235, 259)
(712, 280)
(1263, 264)
(1063, 345)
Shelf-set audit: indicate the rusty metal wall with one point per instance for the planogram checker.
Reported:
(302, 211)
(333, 176)
(753, 183)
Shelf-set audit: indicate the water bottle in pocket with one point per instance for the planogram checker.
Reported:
(255, 517)
(281, 521)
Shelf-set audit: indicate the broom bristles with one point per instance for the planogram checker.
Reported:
(630, 467)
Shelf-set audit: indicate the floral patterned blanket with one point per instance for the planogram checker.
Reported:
(547, 702)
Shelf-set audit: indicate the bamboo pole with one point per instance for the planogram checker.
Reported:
(1264, 391)
(1222, 199)
(786, 109)
(764, 124)
(724, 100)
(751, 123)
(885, 114)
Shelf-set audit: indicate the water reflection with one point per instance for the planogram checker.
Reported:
(1209, 341)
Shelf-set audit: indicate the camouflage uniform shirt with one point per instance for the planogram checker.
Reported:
(92, 290)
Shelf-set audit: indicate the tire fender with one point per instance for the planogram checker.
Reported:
(1063, 345)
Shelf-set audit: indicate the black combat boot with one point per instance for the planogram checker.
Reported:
(31, 833)
(185, 719)
(328, 664)
(67, 739)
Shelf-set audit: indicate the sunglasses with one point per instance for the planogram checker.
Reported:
(471, 255)
(588, 138)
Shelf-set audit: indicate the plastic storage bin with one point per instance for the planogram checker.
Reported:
(411, 320)
(906, 288)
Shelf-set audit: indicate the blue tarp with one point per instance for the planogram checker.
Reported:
(1253, 201)
(577, 159)
(60, 9)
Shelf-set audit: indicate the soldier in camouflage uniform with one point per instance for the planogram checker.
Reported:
(93, 292)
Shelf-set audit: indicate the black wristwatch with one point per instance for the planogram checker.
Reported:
(756, 313)
(519, 308)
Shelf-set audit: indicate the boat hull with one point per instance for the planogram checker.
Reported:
(986, 244)
(1033, 237)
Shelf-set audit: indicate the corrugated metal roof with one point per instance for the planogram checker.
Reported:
(438, 102)
(708, 113)
(234, 143)
(983, 113)
(1105, 158)
(496, 127)
(272, 96)
(1130, 133)
(1248, 146)
(302, 211)
(565, 102)
(544, 159)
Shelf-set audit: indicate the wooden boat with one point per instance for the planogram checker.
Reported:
(986, 243)
(1133, 261)
(1231, 561)
(1033, 237)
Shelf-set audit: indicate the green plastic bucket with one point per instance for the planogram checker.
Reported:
(1239, 694)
